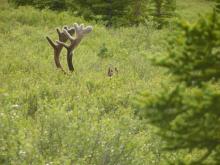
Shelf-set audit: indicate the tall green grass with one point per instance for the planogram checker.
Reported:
(47, 117)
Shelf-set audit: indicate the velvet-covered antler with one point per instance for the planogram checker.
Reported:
(58, 47)
(80, 32)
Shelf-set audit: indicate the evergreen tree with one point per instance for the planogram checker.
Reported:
(82, 8)
(108, 11)
(51, 4)
(41, 4)
(161, 10)
(137, 11)
(21, 2)
(218, 5)
(187, 111)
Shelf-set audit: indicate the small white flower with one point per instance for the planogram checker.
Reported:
(15, 106)
(21, 152)
(49, 163)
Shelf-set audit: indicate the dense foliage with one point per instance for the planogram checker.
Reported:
(161, 10)
(111, 12)
(218, 5)
(83, 118)
(187, 110)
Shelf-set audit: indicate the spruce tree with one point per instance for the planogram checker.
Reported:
(51, 4)
(137, 11)
(218, 5)
(82, 8)
(161, 10)
(21, 2)
(108, 11)
(187, 110)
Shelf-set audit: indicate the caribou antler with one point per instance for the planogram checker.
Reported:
(80, 32)
(58, 47)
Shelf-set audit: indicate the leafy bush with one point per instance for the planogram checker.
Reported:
(104, 52)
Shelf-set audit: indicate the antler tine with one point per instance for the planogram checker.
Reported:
(75, 25)
(51, 42)
(63, 44)
(71, 30)
(87, 29)
(65, 27)
(81, 26)
(57, 50)
(60, 35)
(58, 31)
(68, 35)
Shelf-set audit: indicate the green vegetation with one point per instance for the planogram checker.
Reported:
(217, 5)
(83, 118)
(47, 117)
(110, 12)
(187, 112)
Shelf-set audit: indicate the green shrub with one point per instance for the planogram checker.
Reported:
(104, 52)
(187, 111)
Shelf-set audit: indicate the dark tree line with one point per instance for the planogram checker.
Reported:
(110, 12)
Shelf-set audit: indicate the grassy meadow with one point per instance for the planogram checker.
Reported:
(83, 118)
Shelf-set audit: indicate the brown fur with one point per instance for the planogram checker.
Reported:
(112, 72)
